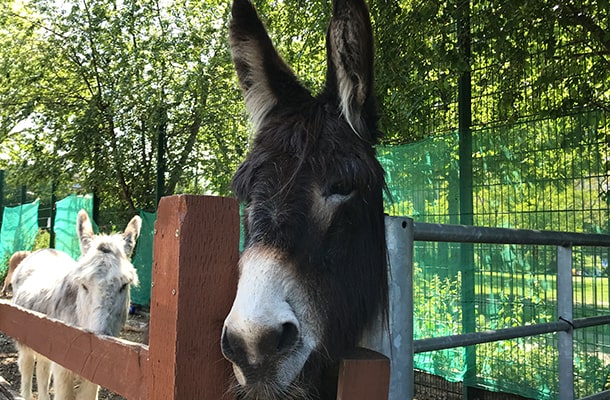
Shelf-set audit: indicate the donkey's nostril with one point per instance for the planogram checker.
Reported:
(226, 347)
(288, 338)
(277, 341)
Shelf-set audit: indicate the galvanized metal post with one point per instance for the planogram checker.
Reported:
(564, 310)
(394, 339)
(399, 236)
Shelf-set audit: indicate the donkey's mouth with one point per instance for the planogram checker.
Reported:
(272, 387)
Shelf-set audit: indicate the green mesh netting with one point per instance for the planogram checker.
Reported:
(142, 259)
(66, 238)
(544, 174)
(19, 230)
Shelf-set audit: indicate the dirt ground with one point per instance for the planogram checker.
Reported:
(133, 331)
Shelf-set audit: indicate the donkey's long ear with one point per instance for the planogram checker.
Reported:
(84, 230)
(264, 77)
(130, 235)
(349, 48)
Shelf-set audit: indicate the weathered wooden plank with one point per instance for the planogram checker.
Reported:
(364, 375)
(196, 250)
(116, 364)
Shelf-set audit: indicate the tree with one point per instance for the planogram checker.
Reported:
(19, 66)
(100, 81)
(118, 78)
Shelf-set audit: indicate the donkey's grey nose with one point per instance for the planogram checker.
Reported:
(259, 347)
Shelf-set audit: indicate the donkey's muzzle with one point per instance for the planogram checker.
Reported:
(258, 350)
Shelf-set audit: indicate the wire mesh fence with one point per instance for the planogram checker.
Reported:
(547, 174)
(539, 105)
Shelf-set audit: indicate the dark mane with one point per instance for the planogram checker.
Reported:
(314, 221)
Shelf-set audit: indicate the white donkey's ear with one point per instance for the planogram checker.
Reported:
(266, 80)
(349, 49)
(131, 234)
(84, 230)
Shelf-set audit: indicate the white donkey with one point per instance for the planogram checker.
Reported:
(91, 293)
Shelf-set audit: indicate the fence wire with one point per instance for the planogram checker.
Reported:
(539, 103)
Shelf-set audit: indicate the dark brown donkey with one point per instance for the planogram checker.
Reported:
(313, 272)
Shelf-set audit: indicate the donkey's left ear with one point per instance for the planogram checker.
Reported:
(84, 230)
(130, 235)
(350, 75)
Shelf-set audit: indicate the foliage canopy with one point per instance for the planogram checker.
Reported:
(90, 90)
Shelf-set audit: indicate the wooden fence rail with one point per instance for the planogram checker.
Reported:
(194, 282)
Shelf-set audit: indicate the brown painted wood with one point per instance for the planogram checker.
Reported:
(196, 250)
(364, 375)
(116, 364)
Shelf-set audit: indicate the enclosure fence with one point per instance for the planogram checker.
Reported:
(402, 233)
(534, 95)
(563, 322)
(549, 175)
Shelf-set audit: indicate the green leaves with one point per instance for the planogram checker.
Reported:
(102, 80)
(98, 80)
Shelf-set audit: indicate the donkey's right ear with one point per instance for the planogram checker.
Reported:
(84, 230)
(265, 78)
(349, 47)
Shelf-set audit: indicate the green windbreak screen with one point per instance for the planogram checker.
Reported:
(67, 210)
(142, 259)
(19, 230)
(549, 174)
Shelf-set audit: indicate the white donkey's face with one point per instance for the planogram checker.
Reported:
(104, 275)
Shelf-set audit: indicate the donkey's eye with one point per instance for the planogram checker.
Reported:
(85, 288)
(340, 188)
(339, 192)
(122, 289)
(337, 199)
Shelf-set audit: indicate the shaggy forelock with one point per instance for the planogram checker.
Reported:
(106, 259)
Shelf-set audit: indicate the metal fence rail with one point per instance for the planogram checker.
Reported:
(469, 339)
(426, 232)
(402, 230)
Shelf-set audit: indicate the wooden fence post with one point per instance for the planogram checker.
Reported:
(196, 249)
(364, 375)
